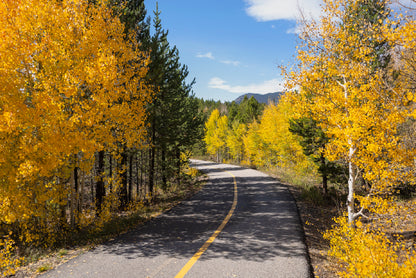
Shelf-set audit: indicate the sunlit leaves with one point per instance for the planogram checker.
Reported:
(285, 149)
(366, 253)
(216, 131)
(344, 85)
(72, 84)
(355, 78)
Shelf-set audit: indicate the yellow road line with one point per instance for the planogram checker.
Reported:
(204, 247)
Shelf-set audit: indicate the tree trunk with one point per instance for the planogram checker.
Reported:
(351, 185)
(100, 187)
(324, 173)
(76, 188)
(92, 184)
(151, 169)
(111, 172)
(178, 166)
(142, 173)
(164, 174)
(123, 190)
(130, 196)
(138, 185)
(74, 197)
(81, 193)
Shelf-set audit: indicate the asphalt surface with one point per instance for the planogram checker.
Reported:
(263, 238)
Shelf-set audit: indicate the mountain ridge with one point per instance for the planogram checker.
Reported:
(266, 98)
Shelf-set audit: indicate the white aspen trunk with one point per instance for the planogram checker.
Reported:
(351, 166)
(351, 184)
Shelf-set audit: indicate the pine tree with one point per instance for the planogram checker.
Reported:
(173, 116)
(132, 14)
(246, 112)
(313, 141)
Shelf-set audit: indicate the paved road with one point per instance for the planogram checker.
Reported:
(263, 237)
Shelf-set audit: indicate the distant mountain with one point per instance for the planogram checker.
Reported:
(261, 98)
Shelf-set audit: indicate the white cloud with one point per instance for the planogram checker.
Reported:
(210, 56)
(294, 30)
(205, 55)
(268, 10)
(228, 62)
(266, 87)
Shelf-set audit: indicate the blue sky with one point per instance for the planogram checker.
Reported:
(233, 47)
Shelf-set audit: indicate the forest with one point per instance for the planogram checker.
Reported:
(98, 119)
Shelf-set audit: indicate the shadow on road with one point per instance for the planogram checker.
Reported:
(264, 225)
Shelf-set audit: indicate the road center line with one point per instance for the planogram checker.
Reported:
(204, 247)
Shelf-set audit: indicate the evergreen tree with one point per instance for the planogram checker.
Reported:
(132, 14)
(313, 141)
(173, 116)
(246, 112)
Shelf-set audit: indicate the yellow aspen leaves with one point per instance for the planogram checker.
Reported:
(234, 141)
(284, 147)
(216, 131)
(366, 253)
(355, 72)
(71, 84)
(8, 261)
(343, 87)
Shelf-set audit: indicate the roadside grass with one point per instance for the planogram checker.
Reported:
(44, 268)
(62, 252)
(37, 260)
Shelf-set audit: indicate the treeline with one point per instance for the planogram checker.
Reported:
(256, 135)
(96, 116)
(270, 136)
(244, 113)
(349, 116)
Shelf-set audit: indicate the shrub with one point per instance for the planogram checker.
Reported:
(365, 252)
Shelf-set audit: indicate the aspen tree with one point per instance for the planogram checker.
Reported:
(234, 141)
(71, 84)
(353, 80)
(341, 83)
(216, 129)
(284, 148)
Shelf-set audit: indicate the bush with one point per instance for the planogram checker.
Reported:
(364, 252)
(8, 258)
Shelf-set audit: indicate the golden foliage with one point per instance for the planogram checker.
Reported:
(358, 107)
(8, 259)
(71, 85)
(234, 142)
(216, 131)
(365, 252)
(284, 146)
(360, 99)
